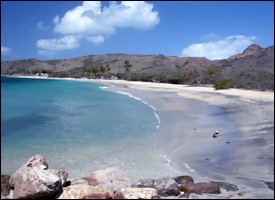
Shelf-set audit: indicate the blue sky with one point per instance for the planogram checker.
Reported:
(57, 30)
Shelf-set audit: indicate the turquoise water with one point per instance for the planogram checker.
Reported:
(77, 126)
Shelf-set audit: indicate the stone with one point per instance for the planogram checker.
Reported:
(270, 185)
(5, 186)
(35, 180)
(37, 183)
(201, 188)
(226, 186)
(80, 189)
(35, 161)
(145, 183)
(110, 179)
(215, 134)
(184, 180)
(139, 193)
(63, 175)
(167, 187)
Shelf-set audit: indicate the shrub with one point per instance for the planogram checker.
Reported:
(221, 84)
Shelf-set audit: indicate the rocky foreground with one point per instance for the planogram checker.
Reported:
(35, 180)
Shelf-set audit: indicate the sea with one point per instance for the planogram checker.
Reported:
(79, 127)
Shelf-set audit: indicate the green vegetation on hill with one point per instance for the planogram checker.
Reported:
(251, 69)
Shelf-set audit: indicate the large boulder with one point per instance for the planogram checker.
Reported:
(80, 189)
(35, 161)
(110, 179)
(139, 193)
(167, 187)
(34, 179)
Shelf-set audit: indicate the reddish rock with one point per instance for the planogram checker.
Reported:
(201, 188)
(110, 179)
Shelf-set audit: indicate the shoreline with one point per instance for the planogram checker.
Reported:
(251, 110)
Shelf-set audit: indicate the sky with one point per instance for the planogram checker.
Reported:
(48, 30)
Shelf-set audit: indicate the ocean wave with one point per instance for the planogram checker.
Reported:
(139, 99)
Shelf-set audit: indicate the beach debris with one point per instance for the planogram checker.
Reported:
(215, 134)
(226, 186)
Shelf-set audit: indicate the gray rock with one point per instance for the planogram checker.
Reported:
(270, 185)
(145, 183)
(167, 187)
(184, 180)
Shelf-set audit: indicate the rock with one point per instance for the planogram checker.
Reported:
(5, 186)
(110, 179)
(184, 180)
(37, 183)
(167, 187)
(270, 185)
(139, 193)
(145, 183)
(35, 180)
(200, 188)
(226, 186)
(62, 175)
(80, 189)
(215, 134)
(35, 161)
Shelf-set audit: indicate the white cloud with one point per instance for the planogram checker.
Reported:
(40, 26)
(92, 18)
(94, 22)
(96, 39)
(49, 46)
(5, 51)
(219, 49)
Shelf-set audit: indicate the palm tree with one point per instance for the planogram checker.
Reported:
(127, 67)
(95, 71)
(108, 68)
(102, 70)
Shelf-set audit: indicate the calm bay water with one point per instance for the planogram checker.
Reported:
(77, 126)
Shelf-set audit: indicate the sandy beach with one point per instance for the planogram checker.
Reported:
(242, 154)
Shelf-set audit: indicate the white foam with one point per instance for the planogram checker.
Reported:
(103, 87)
(139, 99)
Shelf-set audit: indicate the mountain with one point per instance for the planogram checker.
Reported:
(252, 69)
